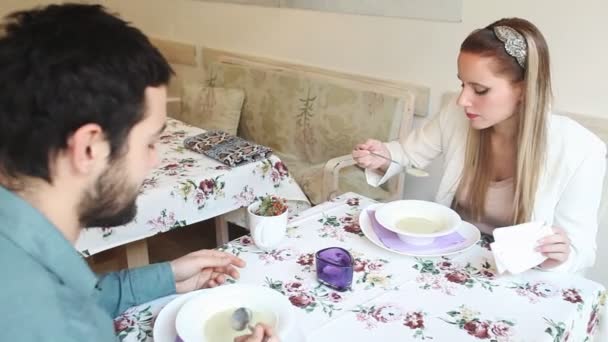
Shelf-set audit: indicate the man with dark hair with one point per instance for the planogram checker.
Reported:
(82, 106)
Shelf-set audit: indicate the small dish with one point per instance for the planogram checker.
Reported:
(417, 222)
(201, 317)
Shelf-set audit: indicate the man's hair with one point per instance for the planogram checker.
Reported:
(64, 66)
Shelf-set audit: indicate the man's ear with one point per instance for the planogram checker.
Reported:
(87, 148)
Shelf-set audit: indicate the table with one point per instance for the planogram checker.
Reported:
(401, 298)
(189, 187)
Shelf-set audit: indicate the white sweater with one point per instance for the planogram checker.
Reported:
(570, 186)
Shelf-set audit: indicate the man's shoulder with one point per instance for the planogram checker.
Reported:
(21, 269)
(37, 306)
(29, 297)
(25, 282)
(19, 266)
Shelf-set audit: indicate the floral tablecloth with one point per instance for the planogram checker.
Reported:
(400, 298)
(189, 187)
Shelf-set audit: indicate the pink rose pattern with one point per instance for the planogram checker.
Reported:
(180, 167)
(370, 273)
(572, 295)
(350, 224)
(594, 318)
(307, 261)
(135, 320)
(277, 172)
(202, 191)
(374, 316)
(331, 228)
(339, 228)
(245, 240)
(277, 255)
(166, 221)
(175, 137)
(535, 291)
(483, 329)
(447, 275)
(308, 298)
(353, 202)
(245, 197)
(238, 246)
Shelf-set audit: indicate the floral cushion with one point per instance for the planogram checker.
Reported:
(309, 120)
(310, 179)
(211, 108)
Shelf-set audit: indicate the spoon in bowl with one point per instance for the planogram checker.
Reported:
(240, 319)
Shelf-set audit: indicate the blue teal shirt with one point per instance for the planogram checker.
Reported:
(48, 291)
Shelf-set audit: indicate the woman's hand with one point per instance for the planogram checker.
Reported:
(555, 247)
(362, 156)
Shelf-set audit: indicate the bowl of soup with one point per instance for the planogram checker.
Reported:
(206, 317)
(417, 222)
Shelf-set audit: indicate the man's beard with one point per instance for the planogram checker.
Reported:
(112, 200)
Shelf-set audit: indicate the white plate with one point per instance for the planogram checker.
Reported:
(198, 310)
(467, 230)
(164, 325)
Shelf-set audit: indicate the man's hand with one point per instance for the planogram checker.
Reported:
(261, 333)
(203, 269)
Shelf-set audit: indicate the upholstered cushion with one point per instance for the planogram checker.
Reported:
(313, 119)
(310, 120)
(310, 178)
(211, 108)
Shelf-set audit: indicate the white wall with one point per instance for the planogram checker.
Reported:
(7, 6)
(402, 49)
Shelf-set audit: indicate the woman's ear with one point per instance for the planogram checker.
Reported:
(521, 88)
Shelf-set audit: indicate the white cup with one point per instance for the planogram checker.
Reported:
(267, 231)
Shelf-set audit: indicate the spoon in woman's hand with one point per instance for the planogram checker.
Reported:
(410, 170)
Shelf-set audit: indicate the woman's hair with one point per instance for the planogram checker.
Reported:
(527, 65)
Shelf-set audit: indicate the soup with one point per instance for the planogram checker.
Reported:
(418, 225)
(218, 329)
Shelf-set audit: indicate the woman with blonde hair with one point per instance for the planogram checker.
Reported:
(507, 159)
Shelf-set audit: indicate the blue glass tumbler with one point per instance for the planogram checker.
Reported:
(335, 268)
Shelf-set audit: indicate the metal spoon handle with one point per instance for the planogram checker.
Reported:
(384, 157)
(410, 170)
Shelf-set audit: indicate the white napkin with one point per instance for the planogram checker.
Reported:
(514, 246)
